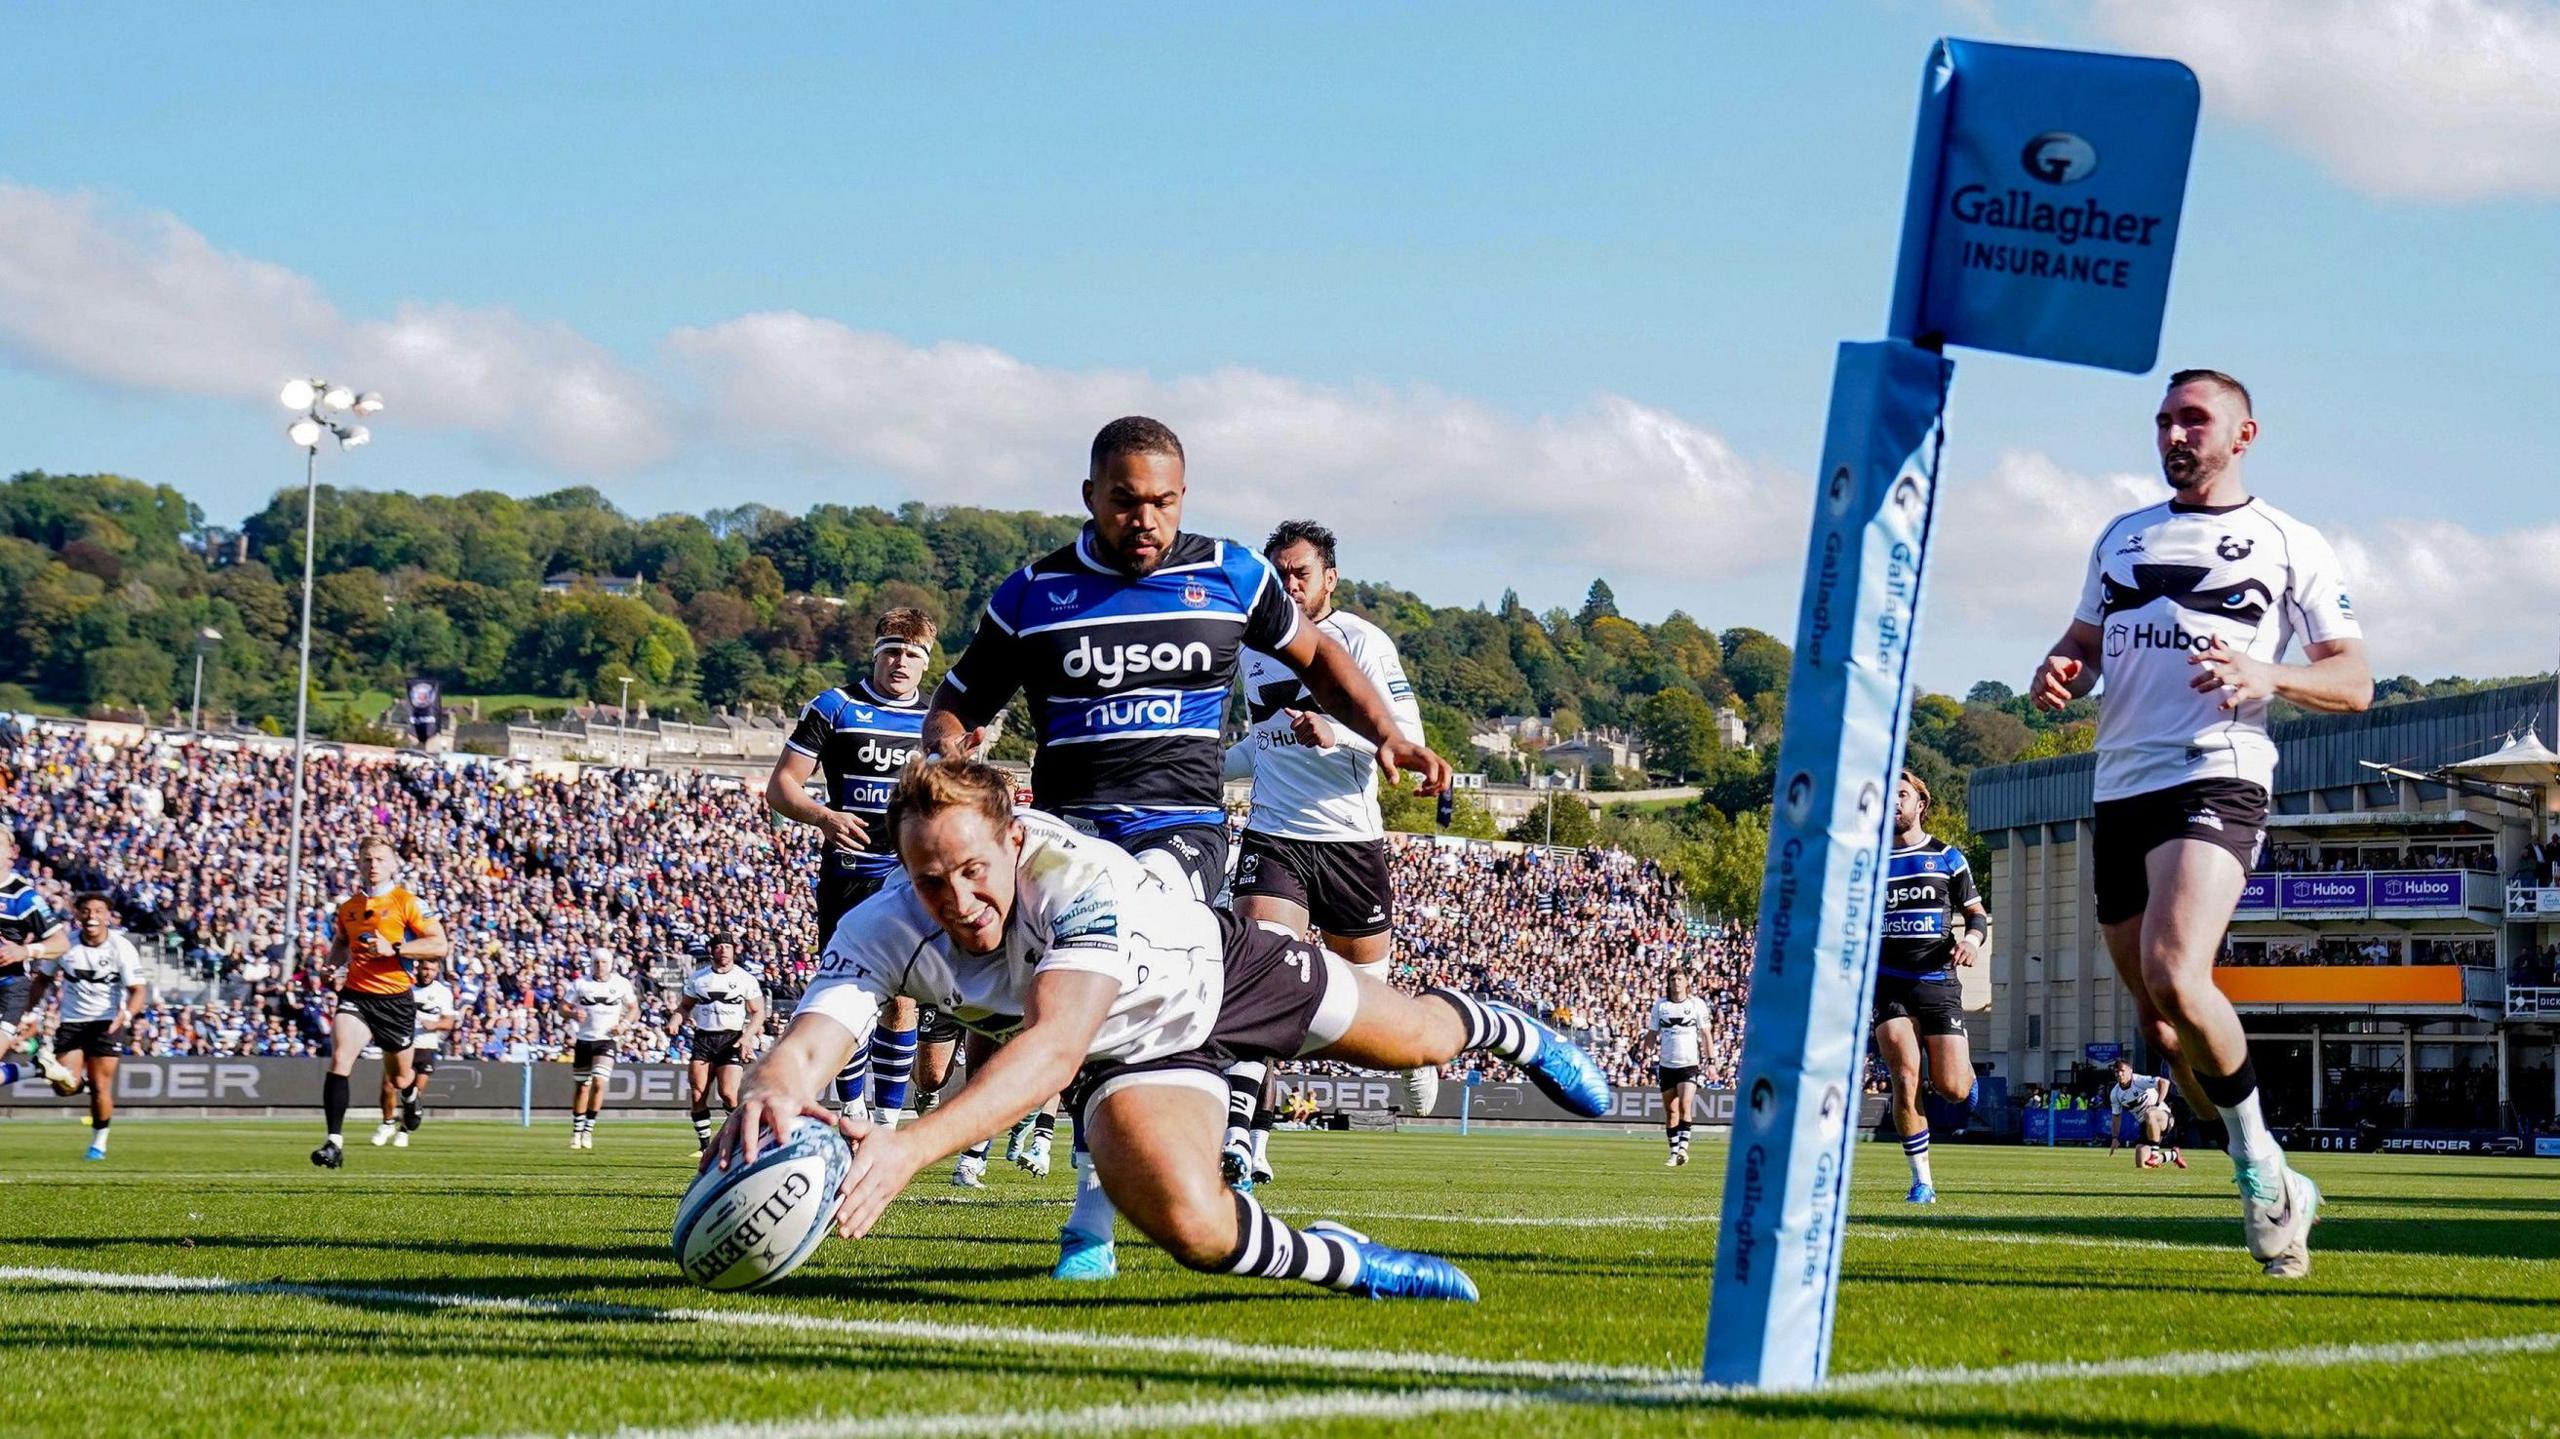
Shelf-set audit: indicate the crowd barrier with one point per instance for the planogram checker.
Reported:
(504, 1085)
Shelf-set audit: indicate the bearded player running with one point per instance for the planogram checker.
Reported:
(2189, 608)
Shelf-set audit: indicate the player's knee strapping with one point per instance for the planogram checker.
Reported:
(1244, 1091)
(1490, 1028)
(1268, 1249)
(893, 1066)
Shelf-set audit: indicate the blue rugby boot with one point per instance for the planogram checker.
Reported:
(1084, 1259)
(1921, 1194)
(1561, 1071)
(1387, 1272)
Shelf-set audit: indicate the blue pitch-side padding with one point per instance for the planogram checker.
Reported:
(1848, 697)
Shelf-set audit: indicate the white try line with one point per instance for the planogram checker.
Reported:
(895, 1331)
(1243, 1413)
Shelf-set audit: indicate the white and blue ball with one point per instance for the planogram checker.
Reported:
(748, 1225)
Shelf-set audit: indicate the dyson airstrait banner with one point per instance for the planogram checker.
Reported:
(2043, 209)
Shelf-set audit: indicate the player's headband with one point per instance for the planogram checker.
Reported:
(891, 644)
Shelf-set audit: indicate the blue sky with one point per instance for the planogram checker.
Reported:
(1513, 294)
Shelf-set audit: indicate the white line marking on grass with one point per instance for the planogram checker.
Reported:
(898, 1331)
(1209, 1413)
(1239, 1413)
(2191, 1364)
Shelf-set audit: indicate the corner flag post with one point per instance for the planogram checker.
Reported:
(2041, 218)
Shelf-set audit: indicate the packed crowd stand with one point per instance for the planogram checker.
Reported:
(2362, 949)
(2299, 859)
(529, 872)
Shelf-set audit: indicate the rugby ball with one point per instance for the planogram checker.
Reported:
(748, 1225)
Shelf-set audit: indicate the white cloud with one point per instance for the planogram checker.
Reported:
(2437, 100)
(1615, 487)
(146, 303)
(2435, 598)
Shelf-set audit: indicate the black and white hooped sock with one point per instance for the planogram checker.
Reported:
(1269, 1249)
(1493, 1029)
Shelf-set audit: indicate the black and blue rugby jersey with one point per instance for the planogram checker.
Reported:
(24, 916)
(860, 740)
(1128, 678)
(1926, 889)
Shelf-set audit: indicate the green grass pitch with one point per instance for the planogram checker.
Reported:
(490, 1281)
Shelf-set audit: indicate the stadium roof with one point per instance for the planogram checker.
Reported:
(2318, 752)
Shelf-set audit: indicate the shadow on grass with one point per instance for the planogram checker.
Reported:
(2338, 1233)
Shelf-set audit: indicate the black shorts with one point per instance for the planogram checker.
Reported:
(90, 1038)
(1201, 850)
(935, 1027)
(422, 1062)
(839, 891)
(1341, 884)
(391, 1018)
(589, 1058)
(1672, 1076)
(717, 1048)
(13, 995)
(1276, 985)
(2231, 813)
(1934, 1006)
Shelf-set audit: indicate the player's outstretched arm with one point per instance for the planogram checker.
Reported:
(1345, 691)
(782, 1086)
(1064, 1011)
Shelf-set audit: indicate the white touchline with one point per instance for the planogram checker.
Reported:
(1210, 1413)
(900, 1331)
(1225, 1413)
(1573, 1383)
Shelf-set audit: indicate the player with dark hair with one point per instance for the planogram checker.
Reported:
(1096, 968)
(860, 734)
(101, 980)
(2189, 608)
(1315, 845)
(725, 1006)
(437, 1015)
(1679, 1026)
(2146, 1098)
(376, 937)
(1127, 643)
(1934, 924)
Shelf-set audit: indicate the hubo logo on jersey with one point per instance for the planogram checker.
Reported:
(2059, 157)
(1112, 666)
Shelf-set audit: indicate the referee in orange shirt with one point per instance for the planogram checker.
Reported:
(376, 937)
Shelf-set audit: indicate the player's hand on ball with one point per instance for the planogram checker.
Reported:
(761, 1117)
(885, 1161)
(2051, 688)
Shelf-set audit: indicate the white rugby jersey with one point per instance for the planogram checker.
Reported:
(720, 1000)
(600, 1004)
(2164, 583)
(1679, 1025)
(434, 1002)
(93, 978)
(2144, 1092)
(1079, 903)
(1320, 794)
